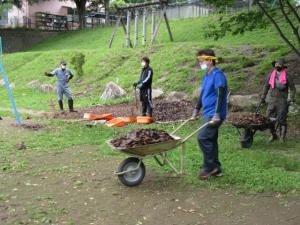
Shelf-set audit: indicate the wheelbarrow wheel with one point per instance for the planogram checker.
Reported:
(131, 178)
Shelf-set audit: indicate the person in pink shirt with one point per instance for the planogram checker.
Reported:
(278, 85)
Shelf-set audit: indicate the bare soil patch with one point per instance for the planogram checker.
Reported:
(77, 186)
(163, 111)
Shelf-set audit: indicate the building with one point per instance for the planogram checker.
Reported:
(26, 16)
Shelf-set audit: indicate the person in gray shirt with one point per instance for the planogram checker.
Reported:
(63, 76)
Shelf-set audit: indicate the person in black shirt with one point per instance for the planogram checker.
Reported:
(145, 86)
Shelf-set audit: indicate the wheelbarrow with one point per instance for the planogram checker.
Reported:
(249, 129)
(131, 171)
(248, 132)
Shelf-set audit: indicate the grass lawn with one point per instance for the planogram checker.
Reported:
(262, 168)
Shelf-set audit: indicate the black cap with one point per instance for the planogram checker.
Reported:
(281, 61)
(63, 63)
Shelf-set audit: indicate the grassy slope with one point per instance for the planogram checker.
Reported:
(173, 63)
(263, 168)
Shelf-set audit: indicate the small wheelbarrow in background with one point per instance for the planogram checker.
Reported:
(131, 171)
(248, 132)
(249, 123)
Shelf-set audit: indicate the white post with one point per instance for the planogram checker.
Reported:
(152, 23)
(136, 27)
(128, 30)
(144, 27)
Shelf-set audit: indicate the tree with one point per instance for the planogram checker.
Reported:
(106, 3)
(6, 3)
(77, 60)
(5, 6)
(285, 6)
(267, 12)
(81, 8)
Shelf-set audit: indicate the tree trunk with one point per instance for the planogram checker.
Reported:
(106, 7)
(250, 4)
(80, 5)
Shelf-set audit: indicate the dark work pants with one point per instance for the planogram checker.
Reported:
(146, 100)
(278, 110)
(208, 142)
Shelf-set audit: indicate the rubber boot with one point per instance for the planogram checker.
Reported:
(150, 110)
(144, 109)
(273, 134)
(61, 106)
(70, 103)
(282, 133)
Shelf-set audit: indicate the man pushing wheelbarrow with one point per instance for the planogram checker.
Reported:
(213, 101)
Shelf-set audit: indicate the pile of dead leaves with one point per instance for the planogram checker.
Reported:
(249, 120)
(141, 137)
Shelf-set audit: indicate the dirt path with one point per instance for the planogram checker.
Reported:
(37, 113)
(77, 186)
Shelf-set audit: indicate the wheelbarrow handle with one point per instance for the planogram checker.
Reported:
(200, 128)
(136, 100)
(181, 125)
(258, 107)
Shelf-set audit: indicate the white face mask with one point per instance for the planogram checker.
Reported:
(204, 67)
(143, 64)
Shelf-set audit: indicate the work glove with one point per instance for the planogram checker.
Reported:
(195, 114)
(134, 84)
(216, 118)
(262, 100)
(290, 101)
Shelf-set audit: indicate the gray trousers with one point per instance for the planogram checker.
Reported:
(63, 90)
(278, 110)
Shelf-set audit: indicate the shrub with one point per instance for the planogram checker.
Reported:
(77, 60)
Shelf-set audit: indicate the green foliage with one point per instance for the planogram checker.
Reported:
(5, 6)
(17, 3)
(117, 3)
(220, 3)
(247, 62)
(236, 24)
(78, 60)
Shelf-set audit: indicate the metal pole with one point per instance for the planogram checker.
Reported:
(8, 88)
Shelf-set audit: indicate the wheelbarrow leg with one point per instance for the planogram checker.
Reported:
(182, 157)
(172, 166)
(164, 160)
(159, 162)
